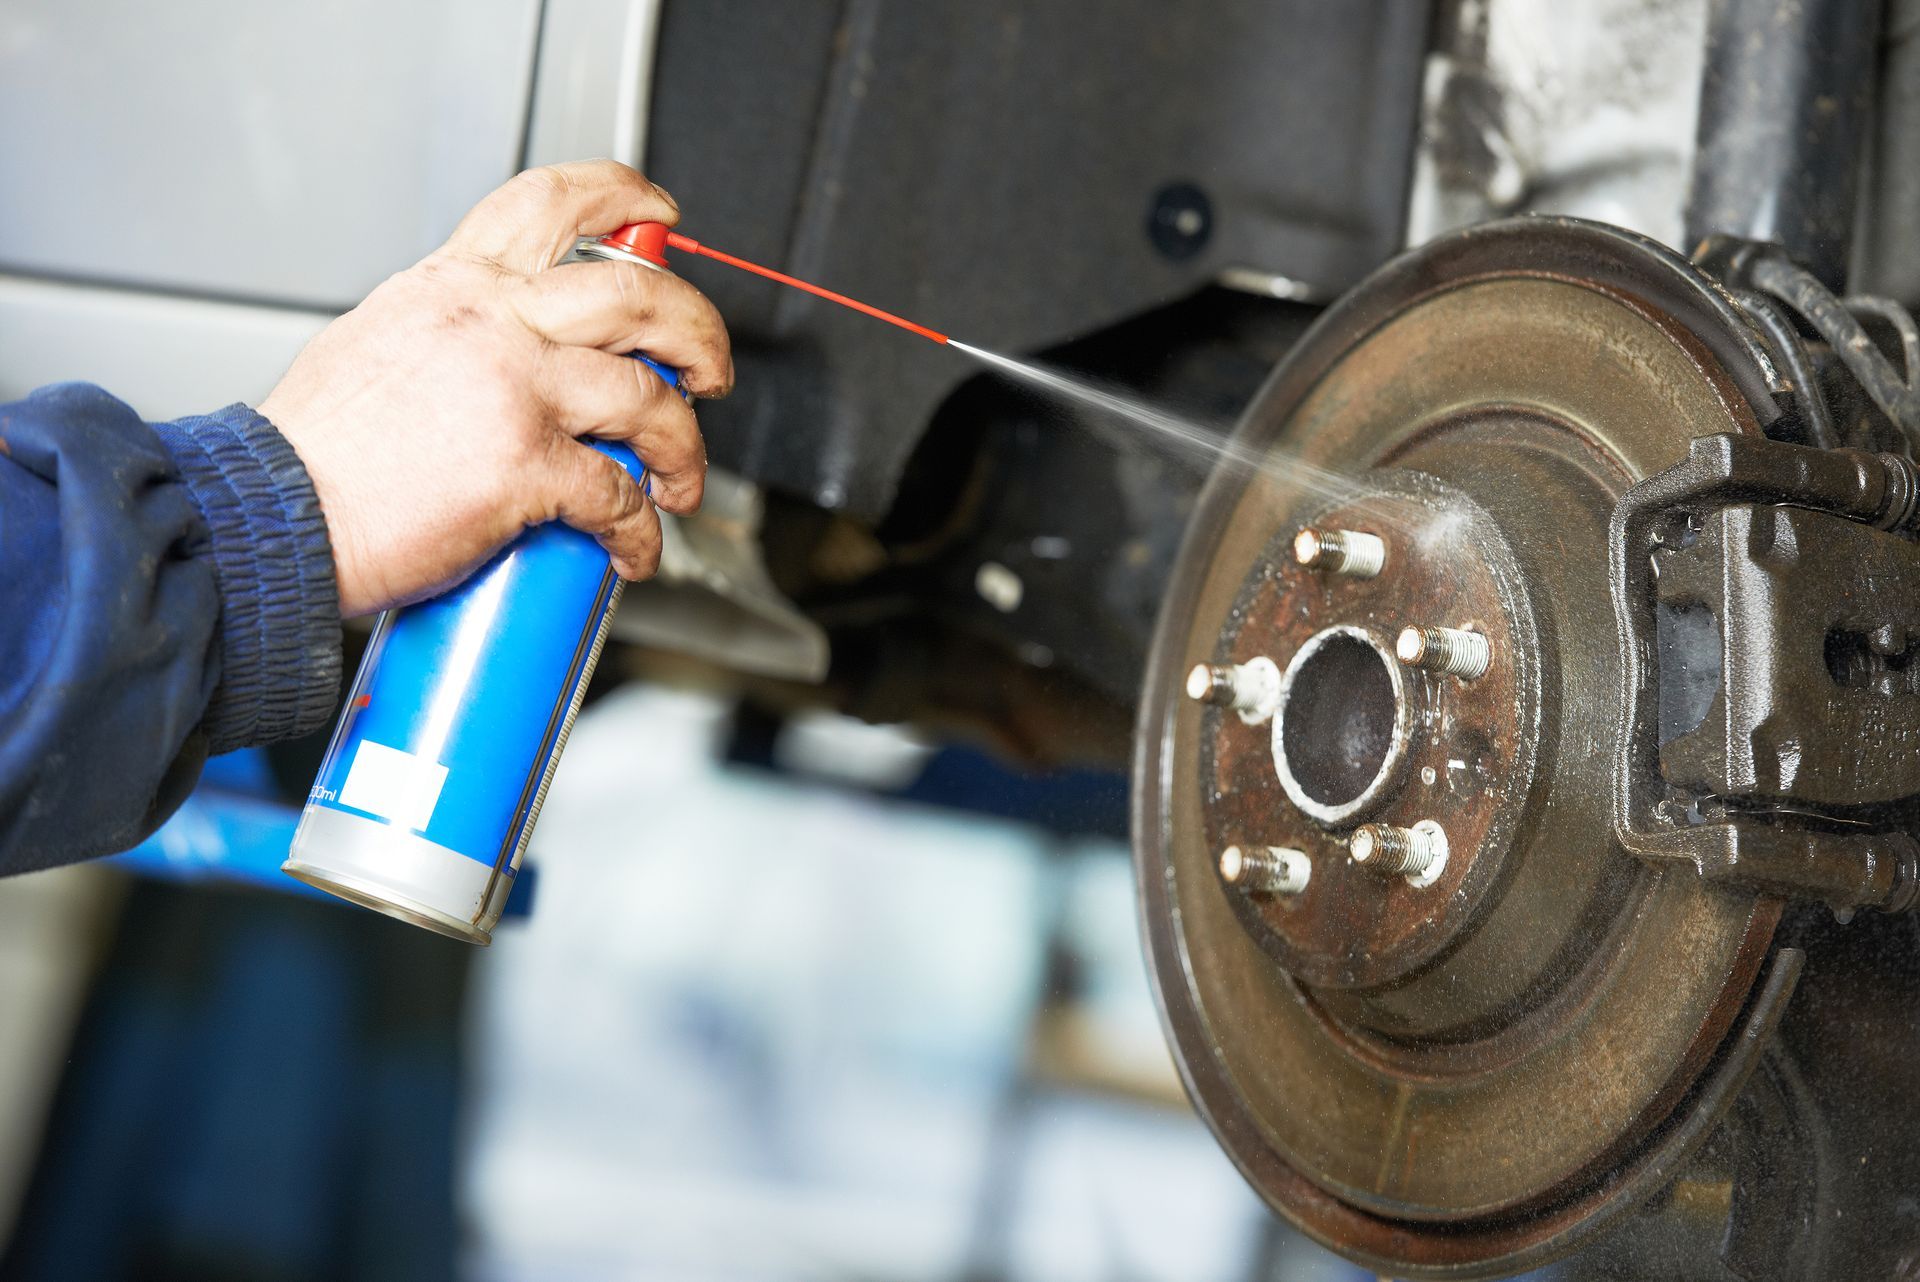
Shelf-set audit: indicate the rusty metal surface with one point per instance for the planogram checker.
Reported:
(1462, 764)
(1471, 1087)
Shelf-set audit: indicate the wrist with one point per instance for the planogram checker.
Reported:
(279, 635)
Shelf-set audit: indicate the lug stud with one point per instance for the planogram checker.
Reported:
(1464, 654)
(1418, 853)
(1252, 688)
(1265, 870)
(1340, 551)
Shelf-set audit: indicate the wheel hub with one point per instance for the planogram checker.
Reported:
(1357, 735)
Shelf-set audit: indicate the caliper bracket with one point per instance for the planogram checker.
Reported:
(1815, 706)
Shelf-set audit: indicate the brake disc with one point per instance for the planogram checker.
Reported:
(1461, 1068)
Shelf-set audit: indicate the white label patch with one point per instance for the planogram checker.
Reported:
(395, 785)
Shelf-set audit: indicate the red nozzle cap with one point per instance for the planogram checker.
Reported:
(647, 240)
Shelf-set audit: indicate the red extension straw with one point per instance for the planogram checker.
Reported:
(649, 240)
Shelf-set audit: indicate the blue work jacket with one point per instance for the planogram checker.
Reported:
(166, 592)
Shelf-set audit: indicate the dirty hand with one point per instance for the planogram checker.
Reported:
(439, 418)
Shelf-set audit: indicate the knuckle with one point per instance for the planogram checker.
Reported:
(620, 494)
(548, 184)
(635, 291)
(646, 554)
(716, 351)
(591, 167)
(540, 504)
(690, 488)
(595, 503)
(680, 446)
(526, 301)
(657, 396)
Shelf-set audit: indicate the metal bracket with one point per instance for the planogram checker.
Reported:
(1719, 529)
(1819, 702)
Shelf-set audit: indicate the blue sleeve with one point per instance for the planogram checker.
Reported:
(169, 593)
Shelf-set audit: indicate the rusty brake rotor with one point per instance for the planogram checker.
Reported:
(1465, 1051)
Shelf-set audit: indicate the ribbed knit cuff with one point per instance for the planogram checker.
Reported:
(279, 604)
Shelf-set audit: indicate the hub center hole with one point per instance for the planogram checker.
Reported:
(1337, 720)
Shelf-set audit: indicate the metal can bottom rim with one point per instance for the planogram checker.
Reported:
(366, 894)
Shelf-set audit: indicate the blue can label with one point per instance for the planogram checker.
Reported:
(459, 699)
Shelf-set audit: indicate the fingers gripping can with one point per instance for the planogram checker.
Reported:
(455, 723)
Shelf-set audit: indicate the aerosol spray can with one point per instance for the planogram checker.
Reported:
(457, 717)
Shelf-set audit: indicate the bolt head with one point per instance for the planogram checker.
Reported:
(1363, 845)
(1181, 220)
(1411, 645)
(1306, 546)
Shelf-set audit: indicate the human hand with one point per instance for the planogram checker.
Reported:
(439, 418)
